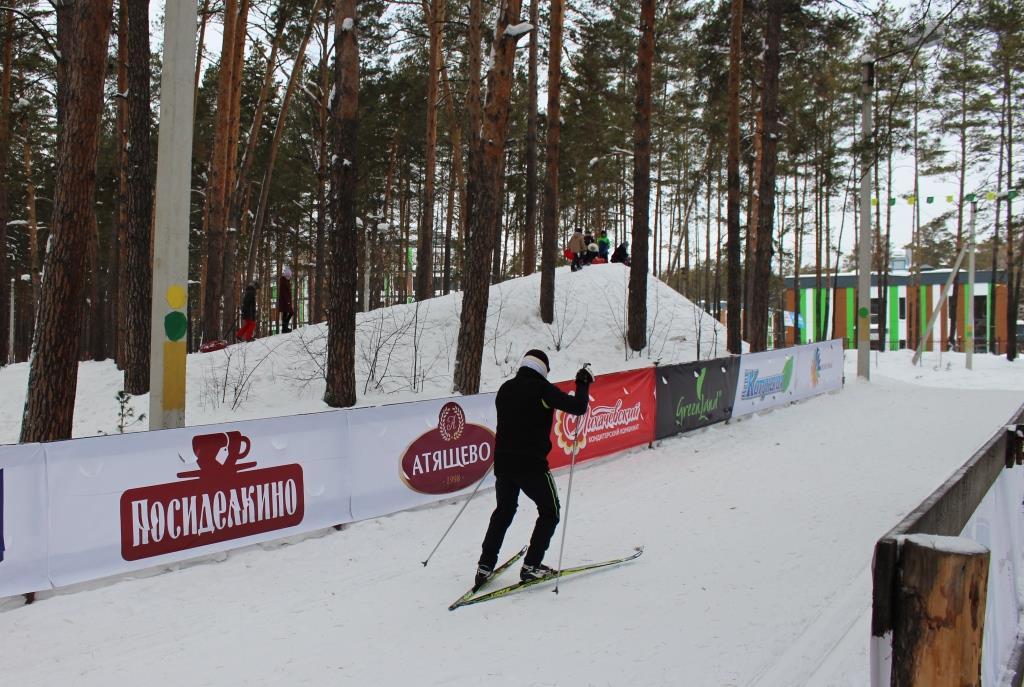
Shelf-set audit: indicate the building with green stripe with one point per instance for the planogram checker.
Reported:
(826, 309)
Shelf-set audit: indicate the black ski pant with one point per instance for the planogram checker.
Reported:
(540, 488)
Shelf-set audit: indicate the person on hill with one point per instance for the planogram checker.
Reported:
(284, 299)
(604, 245)
(621, 254)
(577, 247)
(591, 254)
(526, 406)
(248, 328)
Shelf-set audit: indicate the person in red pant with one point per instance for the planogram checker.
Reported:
(248, 328)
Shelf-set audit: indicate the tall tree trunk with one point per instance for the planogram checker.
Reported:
(229, 268)
(1012, 282)
(758, 310)
(446, 279)
(120, 277)
(341, 309)
(641, 180)
(733, 296)
(138, 266)
(530, 238)
(425, 235)
(94, 305)
(216, 194)
(275, 144)
(53, 374)
(486, 206)
(549, 221)
(6, 62)
(323, 173)
(457, 172)
(204, 17)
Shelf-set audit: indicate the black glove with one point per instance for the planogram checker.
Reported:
(584, 376)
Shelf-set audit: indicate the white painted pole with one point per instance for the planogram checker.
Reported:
(864, 240)
(969, 300)
(168, 347)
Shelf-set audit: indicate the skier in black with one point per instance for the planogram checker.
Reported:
(526, 405)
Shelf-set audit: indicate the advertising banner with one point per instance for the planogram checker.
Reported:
(621, 415)
(410, 454)
(819, 368)
(694, 395)
(997, 525)
(132, 501)
(23, 554)
(765, 381)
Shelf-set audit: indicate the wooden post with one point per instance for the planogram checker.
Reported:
(940, 612)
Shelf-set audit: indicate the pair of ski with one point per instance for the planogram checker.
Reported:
(472, 597)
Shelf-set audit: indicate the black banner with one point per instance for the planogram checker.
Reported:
(694, 395)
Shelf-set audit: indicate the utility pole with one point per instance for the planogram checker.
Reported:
(864, 240)
(169, 323)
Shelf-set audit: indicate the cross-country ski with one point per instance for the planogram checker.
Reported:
(565, 572)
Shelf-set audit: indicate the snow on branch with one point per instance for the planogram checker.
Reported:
(517, 30)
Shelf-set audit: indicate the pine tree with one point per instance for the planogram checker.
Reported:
(138, 266)
(637, 334)
(549, 222)
(341, 314)
(82, 29)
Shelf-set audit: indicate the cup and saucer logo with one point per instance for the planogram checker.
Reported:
(450, 457)
(225, 498)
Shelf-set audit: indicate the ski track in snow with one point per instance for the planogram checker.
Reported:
(758, 534)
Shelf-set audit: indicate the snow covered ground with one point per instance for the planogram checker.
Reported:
(758, 539)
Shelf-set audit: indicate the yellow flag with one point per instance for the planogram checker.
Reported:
(949, 199)
(874, 202)
(991, 195)
(911, 200)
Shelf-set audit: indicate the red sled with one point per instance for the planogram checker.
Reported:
(567, 253)
(211, 346)
(598, 261)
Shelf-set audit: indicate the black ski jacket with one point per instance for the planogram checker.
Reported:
(249, 303)
(526, 406)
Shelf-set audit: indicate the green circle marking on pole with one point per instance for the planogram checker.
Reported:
(175, 325)
(863, 312)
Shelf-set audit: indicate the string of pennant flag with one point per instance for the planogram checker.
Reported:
(969, 197)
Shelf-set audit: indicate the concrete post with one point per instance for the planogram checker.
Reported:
(171, 228)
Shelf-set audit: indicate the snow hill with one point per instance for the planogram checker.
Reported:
(405, 353)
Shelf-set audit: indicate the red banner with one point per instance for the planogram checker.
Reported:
(621, 415)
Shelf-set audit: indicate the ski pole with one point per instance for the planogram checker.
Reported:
(568, 498)
(457, 515)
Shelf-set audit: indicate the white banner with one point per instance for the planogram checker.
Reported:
(410, 454)
(819, 368)
(23, 555)
(126, 502)
(766, 380)
(997, 524)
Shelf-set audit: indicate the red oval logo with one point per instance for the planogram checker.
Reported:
(449, 458)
